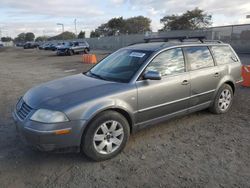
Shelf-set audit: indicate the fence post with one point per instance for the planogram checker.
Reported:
(232, 33)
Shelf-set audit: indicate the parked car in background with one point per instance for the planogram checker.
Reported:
(54, 47)
(71, 48)
(132, 88)
(30, 45)
(20, 44)
(1, 45)
(42, 46)
(48, 46)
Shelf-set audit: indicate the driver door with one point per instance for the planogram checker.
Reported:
(168, 96)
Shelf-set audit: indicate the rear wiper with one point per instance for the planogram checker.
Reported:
(97, 76)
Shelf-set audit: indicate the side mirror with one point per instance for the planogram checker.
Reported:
(152, 75)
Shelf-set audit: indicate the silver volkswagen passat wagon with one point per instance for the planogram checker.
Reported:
(136, 86)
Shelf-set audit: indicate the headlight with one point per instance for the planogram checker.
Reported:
(49, 116)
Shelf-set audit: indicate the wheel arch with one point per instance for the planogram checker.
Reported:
(231, 84)
(127, 115)
(226, 80)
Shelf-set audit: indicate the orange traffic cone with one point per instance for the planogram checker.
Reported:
(89, 58)
(245, 71)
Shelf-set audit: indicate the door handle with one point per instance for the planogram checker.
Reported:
(184, 82)
(216, 74)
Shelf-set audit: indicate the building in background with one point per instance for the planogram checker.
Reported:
(7, 44)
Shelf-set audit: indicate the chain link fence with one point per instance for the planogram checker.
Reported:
(236, 35)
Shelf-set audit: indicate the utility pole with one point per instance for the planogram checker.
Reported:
(75, 28)
(62, 26)
(62, 29)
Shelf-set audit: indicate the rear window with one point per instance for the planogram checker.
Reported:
(223, 55)
(82, 44)
(199, 57)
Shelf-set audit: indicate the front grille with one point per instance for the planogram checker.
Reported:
(22, 109)
(61, 50)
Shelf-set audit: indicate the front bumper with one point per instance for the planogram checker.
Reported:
(43, 136)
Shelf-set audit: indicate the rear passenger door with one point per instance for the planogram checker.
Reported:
(81, 47)
(204, 76)
(76, 47)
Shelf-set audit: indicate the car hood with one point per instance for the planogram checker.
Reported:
(69, 91)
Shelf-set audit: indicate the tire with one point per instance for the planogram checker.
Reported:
(106, 136)
(70, 52)
(86, 51)
(223, 100)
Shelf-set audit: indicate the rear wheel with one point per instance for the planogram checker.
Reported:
(86, 51)
(106, 136)
(223, 100)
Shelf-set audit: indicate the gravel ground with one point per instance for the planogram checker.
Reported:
(198, 150)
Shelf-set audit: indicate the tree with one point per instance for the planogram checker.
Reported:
(20, 37)
(194, 19)
(102, 30)
(29, 36)
(64, 36)
(94, 34)
(137, 25)
(25, 37)
(116, 26)
(6, 39)
(81, 35)
(41, 39)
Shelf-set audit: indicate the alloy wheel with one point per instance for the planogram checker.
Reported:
(108, 137)
(225, 100)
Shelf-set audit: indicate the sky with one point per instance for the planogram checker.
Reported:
(41, 17)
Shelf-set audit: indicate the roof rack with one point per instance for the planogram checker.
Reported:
(166, 39)
(201, 39)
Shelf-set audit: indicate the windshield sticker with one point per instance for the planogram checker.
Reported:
(137, 54)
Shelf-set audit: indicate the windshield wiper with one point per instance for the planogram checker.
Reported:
(97, 76)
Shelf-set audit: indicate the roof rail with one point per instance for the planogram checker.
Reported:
(218, 41)
(181, 38)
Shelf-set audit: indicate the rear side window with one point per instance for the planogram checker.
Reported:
(223, 55)
(168, 62)
(199, 57)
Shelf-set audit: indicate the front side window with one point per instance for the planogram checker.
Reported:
(168, 62)
(120, 66)
(199, 57)
(223, 55)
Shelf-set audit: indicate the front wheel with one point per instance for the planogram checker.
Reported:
(70, 52)
(106, 136)
(223, 100)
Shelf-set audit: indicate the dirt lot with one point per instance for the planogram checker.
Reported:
(198, 150)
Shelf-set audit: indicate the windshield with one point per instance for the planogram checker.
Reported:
(120, 66)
